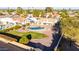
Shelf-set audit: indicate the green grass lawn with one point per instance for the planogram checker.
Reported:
(35, 35)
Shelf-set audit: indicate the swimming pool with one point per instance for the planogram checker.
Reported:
(2, 27)
(36, 28)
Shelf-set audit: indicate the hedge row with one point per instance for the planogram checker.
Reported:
(12, 28)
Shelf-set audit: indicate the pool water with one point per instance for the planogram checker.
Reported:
(2, 27)
(36, 28)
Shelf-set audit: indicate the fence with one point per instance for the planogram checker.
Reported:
(55, 49)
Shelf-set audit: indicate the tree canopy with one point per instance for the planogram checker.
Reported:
(49, 9)
(19, 10)
(70, 27)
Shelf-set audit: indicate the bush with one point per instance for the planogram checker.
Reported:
(25, 39)
(27, 24)
(8, 29)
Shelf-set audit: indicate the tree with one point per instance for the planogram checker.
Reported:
(42, 12)
(10, 11)
(24, 14)
(70, 27)
(19, 10)
(49, 9)
(1, 12)
(64, 13)
(36, 13)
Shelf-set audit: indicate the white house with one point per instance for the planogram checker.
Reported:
(7, 22)
(31, 19)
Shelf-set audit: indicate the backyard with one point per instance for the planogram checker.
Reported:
(35, 35)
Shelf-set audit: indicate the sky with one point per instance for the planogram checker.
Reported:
(40, 7)
(58, 4)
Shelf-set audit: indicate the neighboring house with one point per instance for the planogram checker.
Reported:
(31, 19)
(71, 14)
(18, 19)
(48, 15)
(7, 22)
(14, 13)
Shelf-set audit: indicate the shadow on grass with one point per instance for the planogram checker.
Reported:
(11, 35)
(45, 48)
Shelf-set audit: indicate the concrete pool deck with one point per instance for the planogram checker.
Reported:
(45, 41)
(48, 31)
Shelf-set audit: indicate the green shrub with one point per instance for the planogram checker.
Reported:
(8, 29)
(25, 39)
(28, 24)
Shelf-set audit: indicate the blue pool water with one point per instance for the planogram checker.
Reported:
(1, 27)
(36, 28)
